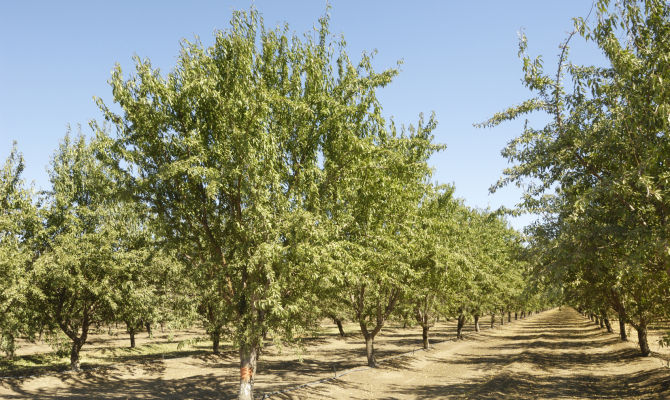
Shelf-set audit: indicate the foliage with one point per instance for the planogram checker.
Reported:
(19, 225)
(604, 155)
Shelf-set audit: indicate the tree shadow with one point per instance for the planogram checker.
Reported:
(99, 386)
(653, 384)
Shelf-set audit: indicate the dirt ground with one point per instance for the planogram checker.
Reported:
(555, 354)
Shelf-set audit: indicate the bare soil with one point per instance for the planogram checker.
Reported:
(555, 354)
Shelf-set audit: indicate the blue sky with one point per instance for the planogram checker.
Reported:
(460, 60)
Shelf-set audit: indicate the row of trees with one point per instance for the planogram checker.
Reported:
(257, 186)
(598, 170)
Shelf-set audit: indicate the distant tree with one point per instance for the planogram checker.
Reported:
(431, 288)
(377, 179)
(19, 226)
(75, 280)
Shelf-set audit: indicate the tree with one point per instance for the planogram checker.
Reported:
(372, 202)
(74, 280)
(19, 227)
(228, 150)
(605, 155)
(438, 258)
(146, 280)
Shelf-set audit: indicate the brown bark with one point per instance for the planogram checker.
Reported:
(476, 322)
(370, 351)
(426, 342)
(74, 355)
(459, 327)
(608, 325)
(642, 339)
(339, 326)
(216, 340)
(622, 328)
(509, 316)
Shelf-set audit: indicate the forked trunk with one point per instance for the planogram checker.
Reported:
(602, 322)
(426, 343)
(477, 323)
(247, 372)
(370, 351)
(642, 339)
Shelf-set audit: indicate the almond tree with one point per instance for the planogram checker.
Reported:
(376, 178)
(73, 280)
(228, 150)
(19, 226)
(604, 154)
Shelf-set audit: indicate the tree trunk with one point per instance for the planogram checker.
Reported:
(602, 322)
(370, 351)
(516, 315)
(608, 325)
(642, 339)
(459, 327)
(622, 328)
(426, 343)
(148, 326)
(132, 338)
(10, 349)
(493, 321)
(339, 326)
(509, 316)
(74, 355)
(247, 372)
(477, 323)
(216, 340)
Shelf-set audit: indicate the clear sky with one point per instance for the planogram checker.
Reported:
(460, 60)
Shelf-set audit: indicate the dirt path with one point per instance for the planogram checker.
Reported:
(557, 354)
